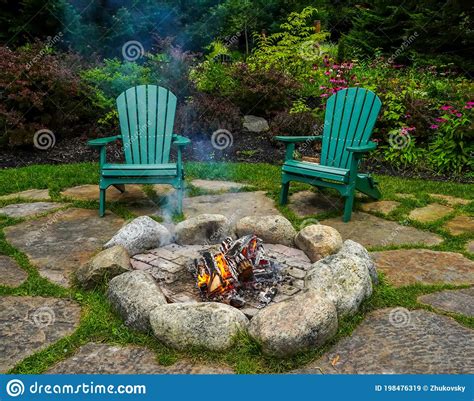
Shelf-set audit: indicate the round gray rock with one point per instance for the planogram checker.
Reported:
(202, 229)
(134, 295)
(297, 324)
(273, 229)
(140, 234)
(207, 325)
(103, 267)
(343, 278)
(318, 241)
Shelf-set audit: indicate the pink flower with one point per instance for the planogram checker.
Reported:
(446, 107)
(458, 114)
(322, 87)
(440, 120)
(468, 106)
(324, 95)
(434, 126)
(327, 72)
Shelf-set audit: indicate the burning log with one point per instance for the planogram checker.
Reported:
(239, 265)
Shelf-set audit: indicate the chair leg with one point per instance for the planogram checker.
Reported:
(348, 203)
(102, 202)
(120, 187)
(285, 186)
(180, 199)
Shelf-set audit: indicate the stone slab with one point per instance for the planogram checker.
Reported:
(398, 341)
(470, 246)
(384, 206)
(29, 194)
(95, 358)
(307, 203)
(59, 243)
(460, 225)
(451, 200)
(457, 301)
(91, 192)
(19, 210)
(370, 230)
(217, 186)
(234, 206)
(430, 213)
(30, 324)
(422, 266)
(11, 274)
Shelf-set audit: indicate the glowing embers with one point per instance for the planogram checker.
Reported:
(238, 270)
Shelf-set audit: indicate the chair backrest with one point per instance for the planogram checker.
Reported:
(350, 118)
(146, 115)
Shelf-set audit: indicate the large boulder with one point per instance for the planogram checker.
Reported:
(209, 325)
(134, 295)
(203, 229)
(140, 234)
(271, 229)
(357, 250)
(297, 324)
(318, 241)
(255, 124)
(344, 278)
(104, 267)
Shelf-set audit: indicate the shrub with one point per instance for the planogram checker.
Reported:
(295, 124)
(41, 89)
(204, 114)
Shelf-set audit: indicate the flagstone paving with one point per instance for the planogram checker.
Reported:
(430, 213)
(398, 341)
(29, 324)
(451, 200)
(59, 243)
(460, 225)
(30, 209)
(423, 266)
(457, 301)
(307, 203)
(11, 274)
(384, 206)
(370, 230)
(217, 186)
(95, 358)
(232, 205)
(30, 194)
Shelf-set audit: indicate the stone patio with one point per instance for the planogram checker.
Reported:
(430, 213)
(59, 243)
(11, 275)
(387, 341)
(370, 231)
(399, 341)
(95, 358)
(423, 266)
(29, 324)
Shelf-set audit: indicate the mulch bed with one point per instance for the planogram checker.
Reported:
(246, 147)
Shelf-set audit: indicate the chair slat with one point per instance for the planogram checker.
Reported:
(142, 123)
(131, 96)
(151, 116)
(328, 127)
(170, 114)
(161, 123)
(124, 127)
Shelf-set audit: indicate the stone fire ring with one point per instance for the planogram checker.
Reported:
(153, 291)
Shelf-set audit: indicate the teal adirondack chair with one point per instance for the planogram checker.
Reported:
(146, 115)
(348, 124)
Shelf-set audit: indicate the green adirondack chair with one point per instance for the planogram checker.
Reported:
(348, 124)
(146, 115)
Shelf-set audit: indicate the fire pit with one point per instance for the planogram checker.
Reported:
(193, 293)
(239, 273)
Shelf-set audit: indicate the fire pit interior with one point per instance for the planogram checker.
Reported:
(239, 273)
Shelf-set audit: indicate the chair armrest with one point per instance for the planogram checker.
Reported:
(103, 141)
(362, 149)
(180, 140)
(295, 139)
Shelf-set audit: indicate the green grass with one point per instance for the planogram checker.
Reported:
(98, 322)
